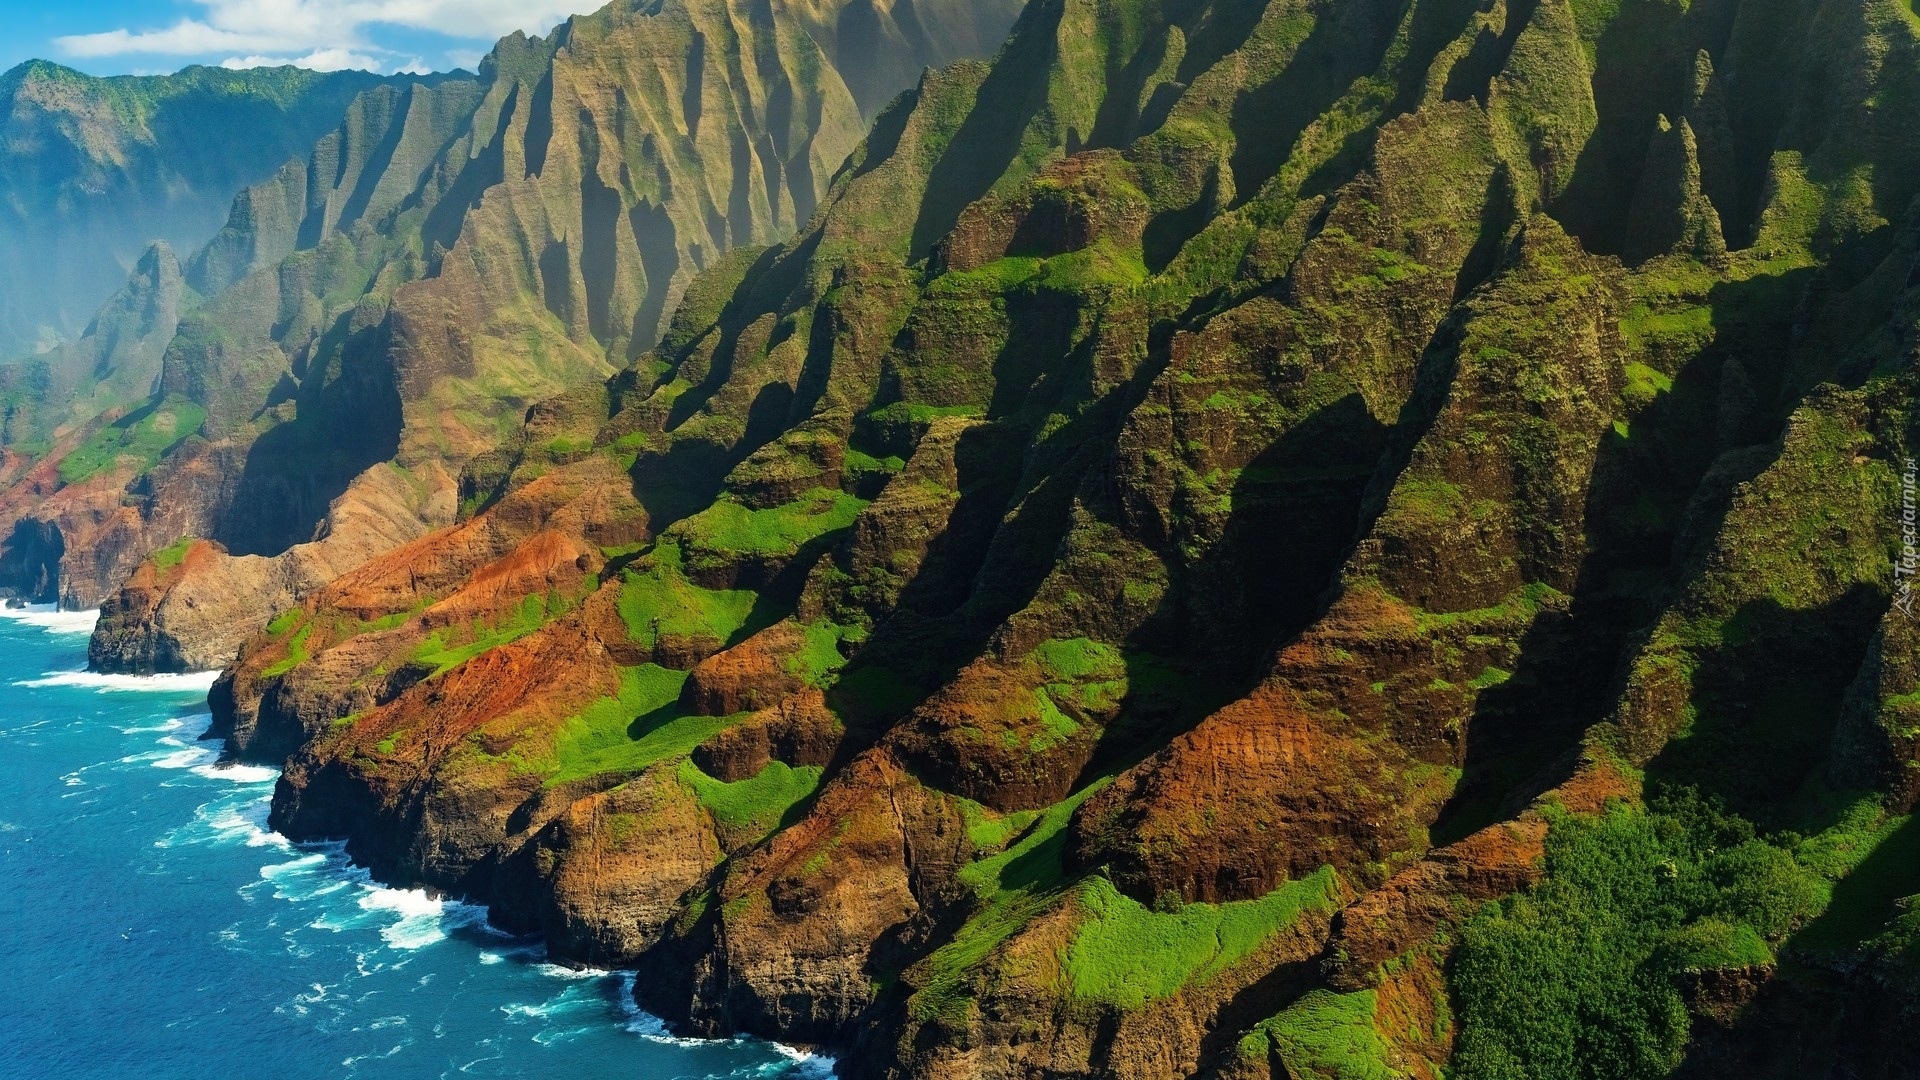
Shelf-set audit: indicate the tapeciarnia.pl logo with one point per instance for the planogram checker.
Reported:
(1908, 565)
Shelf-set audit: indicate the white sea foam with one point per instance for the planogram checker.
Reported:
(560, 971)
(340, 896)
(191, 682)
(51, 619)
(352, 1064)
(299, 864)
(246, 822)
(174, 724)
(187, 757)
(568, 1000)
(306, 877)
(238, 818)
(551, 1036)
(238, 774)
(806, 1066)
(528, 951)
(797, 1063)
(78, 777)
(423, 917)
(643, 1023)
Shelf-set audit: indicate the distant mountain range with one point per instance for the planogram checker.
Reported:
(94, 171)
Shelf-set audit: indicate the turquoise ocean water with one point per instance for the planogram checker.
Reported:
(153, 928)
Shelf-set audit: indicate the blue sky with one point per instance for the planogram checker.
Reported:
(118, 37)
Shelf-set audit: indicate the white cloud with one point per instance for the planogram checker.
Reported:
(317, 60)
(186, 38)
(326, 31)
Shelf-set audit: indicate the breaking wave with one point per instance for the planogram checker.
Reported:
(51, 619)
(190, 682)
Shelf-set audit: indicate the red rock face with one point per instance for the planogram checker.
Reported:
(1257, 795)
(755, 674)
(1406, 911)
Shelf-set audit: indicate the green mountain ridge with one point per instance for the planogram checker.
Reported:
(422, 278)
(1233, 539)
(93, 171)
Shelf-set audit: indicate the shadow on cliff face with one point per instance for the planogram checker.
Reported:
(1524, 731)
(1656, 495)
(1296, 506)
(1018, 481)
(988, 563)
(347, 418)
(484, 171)
(1815, 1024)
(1639, 79)
(1347, 43)
(1521, 729)
(1013, 93)
(30, 561)
(1801, 1018)
(1296, 511)
(1766, 700)
(775, 274)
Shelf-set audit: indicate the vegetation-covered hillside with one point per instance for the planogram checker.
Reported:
(381, 312)
(93, 171)
(1240, 538)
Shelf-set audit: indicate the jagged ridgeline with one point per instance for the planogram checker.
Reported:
(92, 171)
(1243, 540)
(454, 252)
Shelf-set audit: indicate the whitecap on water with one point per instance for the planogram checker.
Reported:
(237, 818)
(312, 859)
(203, 760)
(797, 1064)
(191, 682)
(159, 729)
(352, 1064)
(571, 999)
(528, 952)
(560, 1035)
(50, 618)
(643, 1023)
(423, 917)
(186, 757)
(344, 897)
(238, 774)
(561, 971)
(23, 729)
(802, 1065)
(173, 724)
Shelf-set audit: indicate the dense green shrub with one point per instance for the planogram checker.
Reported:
(1582, 976)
